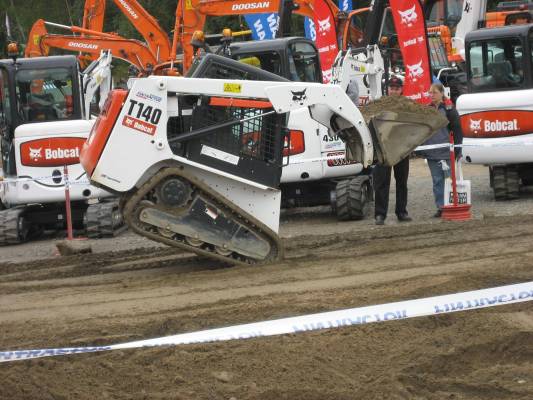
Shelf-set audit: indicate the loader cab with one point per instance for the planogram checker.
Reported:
(500, 59)
(292, 58)
(35, 90)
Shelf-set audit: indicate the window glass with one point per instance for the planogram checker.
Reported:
(44, 95)
(356, 29)
(447, 12)
(303, 63)
(270, 61)
(496, 64)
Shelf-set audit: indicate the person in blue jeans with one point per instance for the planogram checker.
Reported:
(439, 159)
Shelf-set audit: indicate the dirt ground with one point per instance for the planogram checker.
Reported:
(131, 291)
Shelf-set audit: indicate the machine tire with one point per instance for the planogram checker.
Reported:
(353, 198)
(499, 183)
(103, 220)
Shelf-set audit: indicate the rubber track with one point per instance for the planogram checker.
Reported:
(9, 233)
(512, 183)
(506, 182)
(499, 183)
(100, 221)
(350, 201)
(254, 225)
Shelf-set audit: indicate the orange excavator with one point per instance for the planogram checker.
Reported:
(92, 39)
(92, 43)
(191, 17)
(153, 34)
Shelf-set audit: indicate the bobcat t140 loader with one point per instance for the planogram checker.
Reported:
(198, 161)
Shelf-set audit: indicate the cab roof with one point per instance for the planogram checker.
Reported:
(504, 31)
(41, 62)
(266, 45)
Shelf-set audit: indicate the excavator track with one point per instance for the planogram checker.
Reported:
(13, 230)
(104, 220)
(232, 235)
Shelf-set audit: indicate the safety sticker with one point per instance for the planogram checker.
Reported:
(232, 87)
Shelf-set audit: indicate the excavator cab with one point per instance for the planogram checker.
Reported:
(497, 58)
(35, 90)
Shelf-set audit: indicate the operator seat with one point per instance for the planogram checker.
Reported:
(502, 74)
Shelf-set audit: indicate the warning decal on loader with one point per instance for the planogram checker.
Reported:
(232, 87)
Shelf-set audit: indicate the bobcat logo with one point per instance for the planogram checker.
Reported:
(324, 25)
(35, 154)
(475, 125)
(299, 97)
(327, 75)
(408, 16)
(415, 71)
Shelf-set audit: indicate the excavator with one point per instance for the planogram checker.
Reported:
(133, 51)
(453, 19)
(153, 34)
(496, 114)
(44, 121)
(191, 17)
(92, 40)
(204, 156)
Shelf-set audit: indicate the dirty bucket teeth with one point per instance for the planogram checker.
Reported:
(395, 135)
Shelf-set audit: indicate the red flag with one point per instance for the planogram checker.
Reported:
(411, 28)
(326, 38)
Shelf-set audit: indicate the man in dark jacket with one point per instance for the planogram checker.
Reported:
(382, 177)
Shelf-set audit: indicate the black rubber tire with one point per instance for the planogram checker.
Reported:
(499, 183)
(353, 198)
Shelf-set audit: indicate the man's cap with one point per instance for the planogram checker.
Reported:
(395, 81)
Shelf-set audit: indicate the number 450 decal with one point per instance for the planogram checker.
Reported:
(148, 113)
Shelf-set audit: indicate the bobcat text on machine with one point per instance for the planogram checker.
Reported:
(43, 125)
(201, 158)
(497, 114)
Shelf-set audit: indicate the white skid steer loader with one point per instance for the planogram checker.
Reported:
(198, 161)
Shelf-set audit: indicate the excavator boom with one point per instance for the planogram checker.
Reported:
(132, 51)
(156, 38)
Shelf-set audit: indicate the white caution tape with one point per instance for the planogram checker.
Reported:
(7, 181)
(327, 320)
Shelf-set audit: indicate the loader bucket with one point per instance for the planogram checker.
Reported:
(397, 134)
